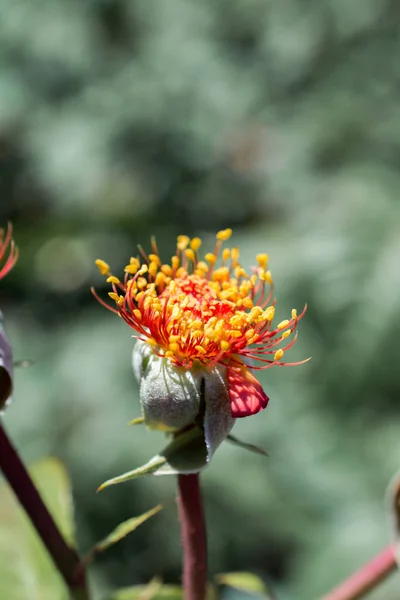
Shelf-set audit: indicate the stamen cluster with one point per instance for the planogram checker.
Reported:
(208, 310)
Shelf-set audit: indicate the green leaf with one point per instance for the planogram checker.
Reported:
(146, 592)
(245, 582)
(122, 530)
(155, 591)
(26, 570)
(250, 447)
(186, 453)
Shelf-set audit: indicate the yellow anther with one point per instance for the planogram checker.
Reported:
(181, 273)
(195, 244)
(278, 354)
(169, 354)
(235, 253)
(226, 254)
(253, 280)
(221, 274)
(174, 338)
(234, 333)
(240, 272)
(151, 341)
(269, 313)
(132, 269)
(141, 282)
(262, 260)
(283, 324)
(249, 334)
(224, 235)
(247, 302)
(268, 277)
(202, 266)
(175, 262)
(174, 347)
(112, 279)
(210, 257)
(200, 349)
(294, 313)
(190, 254)
(224, 344)
(155, 258)
(137, 314)
(167, 270)
(153, 268)
(211, 334)
(143, 269)
(286, 333)
(118, 299)
(182, 242)
(103, 267)
(139, 296)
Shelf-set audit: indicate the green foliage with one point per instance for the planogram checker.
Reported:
(26, 570)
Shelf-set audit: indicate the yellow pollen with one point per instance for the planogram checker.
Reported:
(226, 254)
(174, 347)
(224, 235)
(278, 354)
(132, 269)
(202, 266)
(249, 334)
(235, 253)
(112, 279)
(155, 258)
(247, 302)
(151, 341)
(118, 299)
(262, 260)
(225, 345)
(137, 314)
(103, 267)
(294, 313)
(269, 313)
(200, 349)
(195, 244)
(210, 257)
(182, 242)
(153, 268)
(175, 262)
(190, 254)
(283, 324)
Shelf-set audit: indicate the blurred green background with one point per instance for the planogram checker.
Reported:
(281, 119)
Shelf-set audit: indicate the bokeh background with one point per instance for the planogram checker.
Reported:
(281, 119)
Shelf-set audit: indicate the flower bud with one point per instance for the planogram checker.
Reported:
(174, 398)
(6, 367)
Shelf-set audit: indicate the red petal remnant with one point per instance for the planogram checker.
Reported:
(194, 311)
(7, 244)
(246, 394)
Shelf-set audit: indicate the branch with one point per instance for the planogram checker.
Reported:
(367, 578)
(193, 534)
(64, 557)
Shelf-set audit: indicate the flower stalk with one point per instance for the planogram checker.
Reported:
(367, 577)
(193, 533)
(64, 557)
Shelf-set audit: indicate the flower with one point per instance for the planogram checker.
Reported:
(6, 360)
(201, 316)
(7, 243)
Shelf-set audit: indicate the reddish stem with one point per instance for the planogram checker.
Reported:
(193, 534)
(65, 558)
(367, 577)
